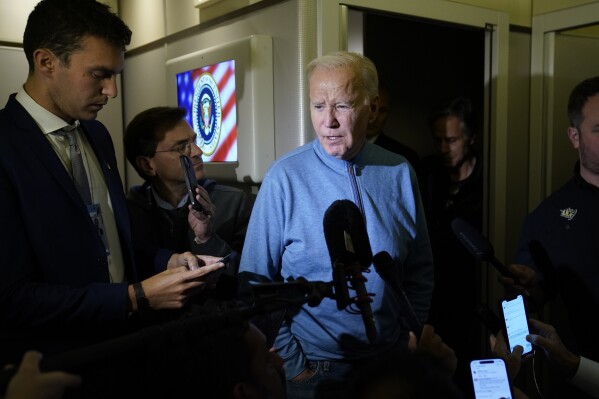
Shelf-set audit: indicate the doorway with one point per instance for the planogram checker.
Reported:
(446, 61)
(423, 61)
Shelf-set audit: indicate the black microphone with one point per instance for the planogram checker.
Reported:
(386, 267)
(478, 245)
(350, 252)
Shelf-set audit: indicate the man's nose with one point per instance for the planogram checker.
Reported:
(196, 151)
(109, 88)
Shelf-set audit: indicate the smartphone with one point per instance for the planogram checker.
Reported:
(490, 379)
(227, 258)
(190, 181)
(515, 323)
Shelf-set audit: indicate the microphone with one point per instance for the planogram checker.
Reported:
(478, 245)
(349, 248)
(386, 268)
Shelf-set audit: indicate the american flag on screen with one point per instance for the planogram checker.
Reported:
(208, 95)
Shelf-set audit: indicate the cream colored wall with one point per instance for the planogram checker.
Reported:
(545, 6)
(152, 19)
(13, 17)
(519, 10)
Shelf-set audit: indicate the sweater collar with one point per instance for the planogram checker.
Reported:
(335, 163)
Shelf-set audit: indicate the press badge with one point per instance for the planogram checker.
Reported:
(95, 214)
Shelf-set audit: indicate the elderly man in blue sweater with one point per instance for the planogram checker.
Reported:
(285, 237)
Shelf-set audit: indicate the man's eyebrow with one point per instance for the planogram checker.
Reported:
(104, 70)
(192, 138)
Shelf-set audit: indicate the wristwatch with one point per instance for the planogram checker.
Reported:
(140, 297)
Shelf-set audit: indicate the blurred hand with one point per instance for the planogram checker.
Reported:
(190, 260)
(304, 375)
(432, 344)
(30, 383)
(512, 359)
(172, 288)
(202, 223)
(526, 282)
(559, 356)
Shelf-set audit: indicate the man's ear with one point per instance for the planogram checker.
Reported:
(45, 61)
(574, 137)
(145, 165)
(374, 109)
(472, 139)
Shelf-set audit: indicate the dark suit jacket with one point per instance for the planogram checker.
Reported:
(395, 146)
(55, 292)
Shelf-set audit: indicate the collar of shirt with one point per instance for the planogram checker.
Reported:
(46, 120)
(167, 205)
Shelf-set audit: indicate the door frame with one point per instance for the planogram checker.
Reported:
(544, 28)
(332, 23)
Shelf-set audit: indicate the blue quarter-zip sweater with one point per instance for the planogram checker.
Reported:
(285, 240)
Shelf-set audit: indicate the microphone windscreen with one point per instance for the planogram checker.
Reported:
(472, 240)
(381, 261)
(341, 217)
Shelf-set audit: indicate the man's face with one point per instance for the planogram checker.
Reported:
(166, 164)
(338, 112)
(587, 141)
(81, 89)
(451, 142)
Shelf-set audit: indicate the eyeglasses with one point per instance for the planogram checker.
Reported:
(183, 148)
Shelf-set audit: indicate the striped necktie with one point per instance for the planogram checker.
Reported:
(79, 174)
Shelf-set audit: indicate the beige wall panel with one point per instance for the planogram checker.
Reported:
(13, 18)
(180, 15)
(519, 10)
(145, 18)
(545, 6)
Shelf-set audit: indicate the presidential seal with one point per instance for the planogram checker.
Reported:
(207, 113)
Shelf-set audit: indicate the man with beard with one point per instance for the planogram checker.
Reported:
(558, 256)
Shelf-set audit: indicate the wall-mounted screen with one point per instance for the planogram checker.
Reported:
(227, 91)
(208, 95)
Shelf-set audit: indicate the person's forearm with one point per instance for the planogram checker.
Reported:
(586, 377)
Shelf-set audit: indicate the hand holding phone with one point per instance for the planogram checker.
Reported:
(227, 258)
(190, 181)
(490, 379)
(515, 322)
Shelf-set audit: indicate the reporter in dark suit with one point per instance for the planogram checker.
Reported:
(66, 267)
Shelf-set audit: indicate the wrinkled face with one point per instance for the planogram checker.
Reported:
(81, 89)
(339, 115)
(267, 367)
(451, 142)
(586, 141)
(176, 142)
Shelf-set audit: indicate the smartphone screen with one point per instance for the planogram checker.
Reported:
(490, 379)
(516, 323)
(190, 181)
